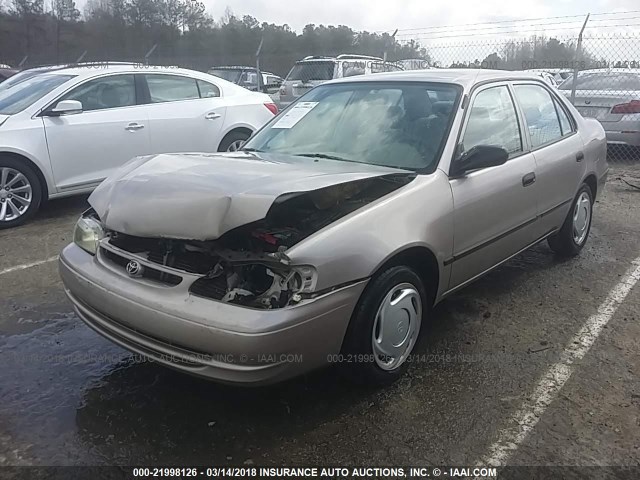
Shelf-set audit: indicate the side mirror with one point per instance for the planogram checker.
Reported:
(480, 156)
(66, 107)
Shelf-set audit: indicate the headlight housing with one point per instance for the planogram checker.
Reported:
(308, 278)
(88, 233)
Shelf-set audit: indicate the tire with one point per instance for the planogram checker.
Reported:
(18, 195)
(568, 242)
(231, 139)
(361, 361)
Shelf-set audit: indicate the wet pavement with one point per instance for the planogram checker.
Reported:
(69, 397)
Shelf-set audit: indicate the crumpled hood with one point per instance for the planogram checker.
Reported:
(200, 197)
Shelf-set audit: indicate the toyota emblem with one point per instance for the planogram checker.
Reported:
(134, 269)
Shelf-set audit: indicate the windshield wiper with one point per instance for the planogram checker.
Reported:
(325, 156)
(250, 150)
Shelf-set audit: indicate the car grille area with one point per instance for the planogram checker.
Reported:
(174, 254)
(148, 273)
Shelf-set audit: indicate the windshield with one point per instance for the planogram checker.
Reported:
(402, 125)
(307, 71)
(25, 93)
(18, 77)
(603, 81)
(226, 74)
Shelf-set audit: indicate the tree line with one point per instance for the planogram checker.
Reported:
(181, 32)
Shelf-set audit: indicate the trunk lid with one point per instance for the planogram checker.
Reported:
(598, 104)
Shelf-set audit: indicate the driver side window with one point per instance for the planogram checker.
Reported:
(493, 121)
(106, 92)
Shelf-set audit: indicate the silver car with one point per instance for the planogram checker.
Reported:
(314, 70)
(612, 97)
(328, 238)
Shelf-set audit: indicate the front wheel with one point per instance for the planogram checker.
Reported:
(384, 327)
(20, 193)
(574, 232)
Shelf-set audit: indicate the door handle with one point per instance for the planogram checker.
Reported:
(212, 116)
(579, 156)
(132, 127)
(528, 179)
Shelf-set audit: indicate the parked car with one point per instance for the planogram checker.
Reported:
(313, 71)
(327, 239)
(63, 131)
(612, 97)
(559, 74)
(247, 77)
(547, 77)
(6, 71)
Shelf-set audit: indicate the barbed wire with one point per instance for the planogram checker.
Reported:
(582, 16)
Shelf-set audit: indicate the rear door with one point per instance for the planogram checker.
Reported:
(185, 114)
(495, 208)
(85, 148)
(557, 149)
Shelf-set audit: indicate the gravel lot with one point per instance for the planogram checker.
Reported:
(69, 397)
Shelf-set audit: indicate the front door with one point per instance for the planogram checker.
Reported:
(495, 208)
(86, 147)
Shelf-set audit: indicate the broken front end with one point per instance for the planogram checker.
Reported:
(248, 265)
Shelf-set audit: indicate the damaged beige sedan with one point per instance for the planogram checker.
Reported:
(332, 233)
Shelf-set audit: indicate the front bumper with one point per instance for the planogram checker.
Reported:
(203, 337)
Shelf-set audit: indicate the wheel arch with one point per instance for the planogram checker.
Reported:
(592, 182)
(236, 128)
(422, 259)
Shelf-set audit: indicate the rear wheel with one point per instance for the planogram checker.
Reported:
(20, 192)
(233, 141)
(384, 327)
(574, 232)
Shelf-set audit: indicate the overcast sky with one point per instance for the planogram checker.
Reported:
(382, 15)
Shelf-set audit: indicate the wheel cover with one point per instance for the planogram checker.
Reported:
(581, 218)
(235, 146)
(396, 326)
(15, 194)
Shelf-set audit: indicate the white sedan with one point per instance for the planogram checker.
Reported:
(64, 130)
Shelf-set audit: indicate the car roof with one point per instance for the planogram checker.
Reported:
(466, 77)
(91, 69)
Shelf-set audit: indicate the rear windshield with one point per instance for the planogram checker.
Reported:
(603, 81)
(307, 71)
(25, 93)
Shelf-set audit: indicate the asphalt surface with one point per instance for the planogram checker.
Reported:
(69, 397)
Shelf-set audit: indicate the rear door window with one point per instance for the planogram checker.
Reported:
(171, 88)
(540, 113)
(208, 90)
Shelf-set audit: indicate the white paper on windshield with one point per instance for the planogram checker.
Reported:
(295, 114)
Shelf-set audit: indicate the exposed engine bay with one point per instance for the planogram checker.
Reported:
(248, 265)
